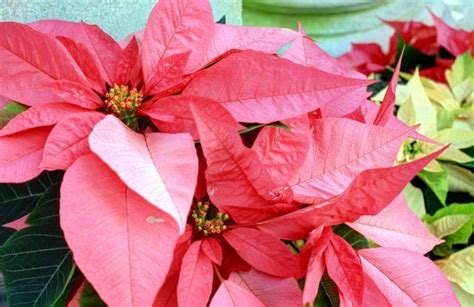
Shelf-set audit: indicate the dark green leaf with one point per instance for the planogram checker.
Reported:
(437, 182)
(36, 262)
(17, 200)
(330, 290)
(222, 20)
(47, 208)
(5, 233)
(90, 298)
(355, 239)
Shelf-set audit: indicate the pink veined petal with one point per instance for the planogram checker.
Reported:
(230, 294)
(102, 46)
(372, 294)
(229, 37)
(357, 114)
(160, 167)
(303, 50)
(329, 169)
(168, 74)
(177, 26)
(76, 93)
(234, 173)
(30, 61)
(264, 252)
(254, 87)
(86, 62)
(388, 103)
(195, 279)
(283, 152)
(270, 290)
(122, 244)
(21, 153)
(316, 267)
(167, 296)
(129, 64)
(40, 116)
(407, 278)
(344, 268)
(69, 140)
(397, 226)
(173, 114)
(213, 249)
(258, 214)
(369, 193)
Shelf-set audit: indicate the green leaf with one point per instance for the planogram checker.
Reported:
(460, 179)
(461, 76)
(448, 225)
(47, 208)
(9, 112)
(222, 20)
(432, 203)
(459, 268)
(90, 298)
(437, 182)
(355, 239)
(464, 297)
(36, 262)
(328, 294)
(5, 233)
(415, 200)
(453, 223)
(17, 200)
(15, 108)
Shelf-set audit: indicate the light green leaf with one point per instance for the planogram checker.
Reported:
(440, 93)
(459, 268)
(448, 225)
(454, 223)
(401, 94)
(444, 119)
(415, 200)
(456, 137)
(437, 182)
(460, 179)
(464, 297)
(424, 110)
(406, 112)
(465, 120)
(461, 76)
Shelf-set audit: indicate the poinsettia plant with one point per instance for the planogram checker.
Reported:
(191, 165)
(431, 46)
